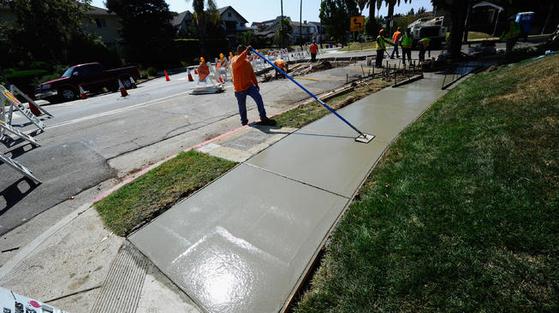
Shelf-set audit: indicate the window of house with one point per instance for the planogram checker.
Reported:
(100, 22)
(229, 14)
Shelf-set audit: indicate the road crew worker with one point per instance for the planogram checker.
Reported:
(424, 46)
(203, 70)
(407, 44)
(282, 65)
(381, 47)
(245, 84)
(511, 36)
(396, 40)
(314, 51)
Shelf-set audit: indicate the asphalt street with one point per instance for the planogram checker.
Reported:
(89, 141)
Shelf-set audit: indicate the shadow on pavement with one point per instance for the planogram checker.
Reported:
(15, 193)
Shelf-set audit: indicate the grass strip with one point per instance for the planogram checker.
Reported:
(462, 213)
(307, 113)
(155, 192)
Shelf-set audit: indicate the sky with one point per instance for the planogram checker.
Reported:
(261, 10)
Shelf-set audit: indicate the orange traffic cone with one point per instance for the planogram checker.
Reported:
(35, 110)
(190, 78)
(83, 94)
(123, 92)
(166, 75)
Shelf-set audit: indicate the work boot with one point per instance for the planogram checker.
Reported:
(268, 122)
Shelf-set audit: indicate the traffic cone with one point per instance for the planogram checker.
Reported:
(34, 109)
(133, 82)
(190, 78)
(83, 94)
(166, 75)
(123, 92)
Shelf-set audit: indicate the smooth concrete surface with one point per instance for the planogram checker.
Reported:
(325, 155)
(242, 243)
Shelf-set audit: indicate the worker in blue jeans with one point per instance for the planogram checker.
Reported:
(245, 84)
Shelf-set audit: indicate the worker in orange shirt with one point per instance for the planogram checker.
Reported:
(245, 84)
(203, 70)
(314, 51)
(396, 40)
(282, 65)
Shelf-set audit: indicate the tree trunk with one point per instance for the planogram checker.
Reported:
(371, 29)
(549, 14)
(458, 18)
(391, 5)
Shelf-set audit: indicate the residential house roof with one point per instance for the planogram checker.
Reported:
(224, 9)
(179, 18)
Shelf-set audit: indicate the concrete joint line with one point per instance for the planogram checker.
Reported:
(296, 180)
(33, 245)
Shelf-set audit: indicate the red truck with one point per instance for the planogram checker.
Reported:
(92, 77)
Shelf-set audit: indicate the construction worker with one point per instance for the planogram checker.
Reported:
(222, 66)
(407, 43)
(396, 40)
(511, 35)
(245, 84)
(313, 50)
(203, 70)
(282, 65)
(381, 47)
(424, 46)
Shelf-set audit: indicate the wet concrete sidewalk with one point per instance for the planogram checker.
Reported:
(243, 243)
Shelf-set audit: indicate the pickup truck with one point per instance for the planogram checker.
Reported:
(92, 77)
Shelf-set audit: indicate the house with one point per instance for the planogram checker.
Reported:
(232, 23)
(306, 31)
(103, 24)
(182, 22)
(98, 22)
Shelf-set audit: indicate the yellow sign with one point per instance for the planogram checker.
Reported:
(357, 24)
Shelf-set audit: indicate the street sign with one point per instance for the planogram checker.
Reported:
(5, 127)
(18, 167)
(357, 24)
(9, 99)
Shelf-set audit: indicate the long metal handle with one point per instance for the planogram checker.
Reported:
(308, 92)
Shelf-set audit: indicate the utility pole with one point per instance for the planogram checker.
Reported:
(301, 23)
(281, 26)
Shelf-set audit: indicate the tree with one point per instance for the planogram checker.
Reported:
(147, 32)
(458, 11)
(283, 33)
(411, 12)
(205, 12)
(390, 16)
(334, 13)
(45, 28)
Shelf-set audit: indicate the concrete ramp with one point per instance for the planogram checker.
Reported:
(243, 243)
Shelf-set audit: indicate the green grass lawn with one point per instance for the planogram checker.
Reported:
(462, 213)
(307, 113)
(355, 46)
(155, 192)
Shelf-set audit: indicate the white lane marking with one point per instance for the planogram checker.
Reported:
(116, 111)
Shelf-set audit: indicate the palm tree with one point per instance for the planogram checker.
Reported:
(391, 4)
(372, 4)
(204, 12)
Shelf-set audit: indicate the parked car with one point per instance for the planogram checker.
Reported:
(92, 77)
